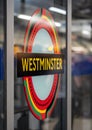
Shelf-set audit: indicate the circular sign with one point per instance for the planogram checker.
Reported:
(41, 37)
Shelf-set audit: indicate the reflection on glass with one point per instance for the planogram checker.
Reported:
(82, 67)
(24, 120)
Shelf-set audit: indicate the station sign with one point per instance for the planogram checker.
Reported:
(41, 64)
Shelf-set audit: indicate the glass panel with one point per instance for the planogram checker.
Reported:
(82, 65)
(23, 11)
(2, 87)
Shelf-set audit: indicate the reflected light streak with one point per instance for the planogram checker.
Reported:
(58, 24)
(57, 10)
(85, 32)
(79, 49)
(27, 17)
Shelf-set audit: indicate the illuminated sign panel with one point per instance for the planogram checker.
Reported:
(41, 64)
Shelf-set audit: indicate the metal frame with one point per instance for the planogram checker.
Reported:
(9, 64)
(69, 87)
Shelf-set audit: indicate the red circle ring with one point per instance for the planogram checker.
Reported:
(42, 23)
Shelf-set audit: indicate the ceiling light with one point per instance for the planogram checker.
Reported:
(58, 24)
(79, 49)
(57, 10)
(85, 32)
(25, 17)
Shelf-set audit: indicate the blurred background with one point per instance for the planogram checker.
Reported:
(81, 65)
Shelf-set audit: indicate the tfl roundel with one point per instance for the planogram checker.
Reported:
(41, 38)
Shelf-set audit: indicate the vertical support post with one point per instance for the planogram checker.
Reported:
(9, 64)
(69, 87)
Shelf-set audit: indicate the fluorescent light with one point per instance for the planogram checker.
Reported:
(58, 24)
(57, 10)
(85, 32)
(79, 49)
(25, 17)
